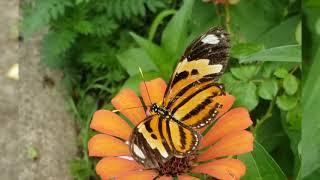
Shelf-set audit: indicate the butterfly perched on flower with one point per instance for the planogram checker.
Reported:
(169, 132)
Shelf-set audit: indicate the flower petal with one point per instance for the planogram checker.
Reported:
(226, 101)
(187, 177)
(111, 167)
(129, 104)
(235, 120)
(233, 144)
(155, 88)
(107, 122)
(102, 145)
(134, 175)
(222, 169)
(165, 178)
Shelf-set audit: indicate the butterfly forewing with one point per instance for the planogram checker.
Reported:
(190, 94)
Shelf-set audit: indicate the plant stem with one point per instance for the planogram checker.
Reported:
(266, 116)
(227, 17)
(157, 21)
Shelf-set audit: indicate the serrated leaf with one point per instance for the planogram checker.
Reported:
(175, 34)
(245, 49)
(245, 93)
(268, 89)
(260, 165)
(134, 58)
(281, 73)
(286, 102)
(290, 84)
(294, 118)
(244, 73)
(289, 53)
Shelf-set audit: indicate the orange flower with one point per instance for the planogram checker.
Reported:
(225, 139)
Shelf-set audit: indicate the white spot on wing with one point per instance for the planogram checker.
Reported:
(138, 152)
(217, 68)
(210, 39)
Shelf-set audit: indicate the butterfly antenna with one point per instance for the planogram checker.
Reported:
(118, 110)
(144, 82)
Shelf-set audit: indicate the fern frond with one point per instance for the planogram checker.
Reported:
(125, 9)
(41, 13)
(55, 44)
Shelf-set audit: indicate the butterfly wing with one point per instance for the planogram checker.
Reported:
(156, 140)
(193, 86)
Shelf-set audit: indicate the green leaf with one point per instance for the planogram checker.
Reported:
(310, 142)
(284, 33)
(294, 117)
(134, 81)
(244, 73)
(281, 73)
(175, 34)
(270, 133)
(157, 54)
(268, 89)
(262, 15)
(290, 84)
(289, 53)
(291, 123)
(134, 58)
(245, 93)
(286, 102)
(245, 49)
(260, 165)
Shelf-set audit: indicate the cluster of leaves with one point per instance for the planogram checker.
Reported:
(91, 43)
(82, 38)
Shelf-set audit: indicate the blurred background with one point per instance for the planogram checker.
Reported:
(63, 59)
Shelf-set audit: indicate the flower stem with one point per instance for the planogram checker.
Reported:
(227, 17)
(157, 21)
(265, 117)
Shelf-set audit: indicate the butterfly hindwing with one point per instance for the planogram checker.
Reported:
(156, 140)
(190, 94)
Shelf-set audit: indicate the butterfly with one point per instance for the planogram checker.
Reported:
(188, 104)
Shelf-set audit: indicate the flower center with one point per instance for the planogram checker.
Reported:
(176, 166)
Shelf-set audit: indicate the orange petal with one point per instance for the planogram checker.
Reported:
(156, 89)
(235, 120)
(233, 144)
(227, 169)
(107, 122)
(111, 167)
(129, 104)
(186, 177)
(226, 101)
(102, 145)
(165, 178)
(135, 175)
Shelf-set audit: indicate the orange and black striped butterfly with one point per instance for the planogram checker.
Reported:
(188, 103)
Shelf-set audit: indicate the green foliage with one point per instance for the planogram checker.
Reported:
(261, 165)
(100, 45)
(310, 143)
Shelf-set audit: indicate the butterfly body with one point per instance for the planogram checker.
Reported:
(189, 103)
